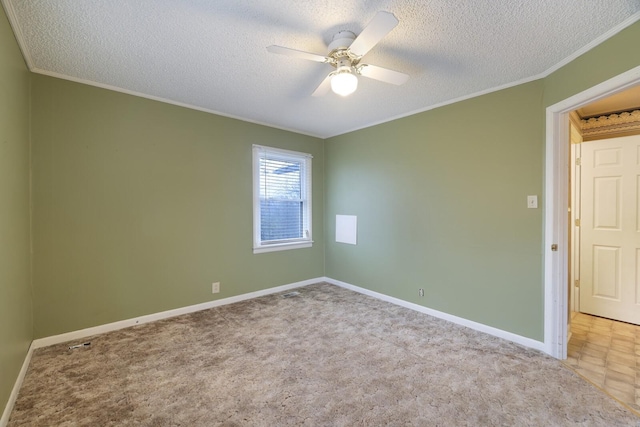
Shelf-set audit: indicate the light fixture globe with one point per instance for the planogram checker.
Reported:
(344, 82)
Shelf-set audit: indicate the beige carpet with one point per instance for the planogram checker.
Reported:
(327, 357)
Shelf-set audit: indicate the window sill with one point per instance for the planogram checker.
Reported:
(282, 247)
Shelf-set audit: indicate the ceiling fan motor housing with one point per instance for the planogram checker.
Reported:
(341, 40)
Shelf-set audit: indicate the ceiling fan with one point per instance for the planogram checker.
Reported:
(345, 52)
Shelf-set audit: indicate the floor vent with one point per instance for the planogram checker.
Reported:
(291, 294)
(83, 345)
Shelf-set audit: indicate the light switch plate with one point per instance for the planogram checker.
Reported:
(532, 202)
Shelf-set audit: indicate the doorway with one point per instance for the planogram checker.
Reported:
(604, 225)
(556, 229)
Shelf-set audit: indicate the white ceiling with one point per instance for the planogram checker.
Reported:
(211, 55)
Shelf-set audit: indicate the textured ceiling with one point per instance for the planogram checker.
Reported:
(211, 55)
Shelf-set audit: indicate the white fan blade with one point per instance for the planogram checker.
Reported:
(382, 74)
(324, 86)
(380, 26)
(296, 53)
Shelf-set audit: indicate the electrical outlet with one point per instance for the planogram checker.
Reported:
(215, 287)
(421, 292)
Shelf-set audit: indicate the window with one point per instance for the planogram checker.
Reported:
(281, 199)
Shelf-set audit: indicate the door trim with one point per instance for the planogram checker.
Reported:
(556, 267)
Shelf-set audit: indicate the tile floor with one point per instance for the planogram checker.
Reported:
(607, 353)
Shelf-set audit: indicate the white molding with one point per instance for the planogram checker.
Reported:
(600, 91)
(441, 104)
(17, 31)
(612, 32)
(555, 233)
(258, 152)
(297, 131)
(556, 203)
(586, 48)
(286, 154)
(168, 101)
(83, 333)
(282, 247)
(16, 388)
(480, 327)
(13, 21)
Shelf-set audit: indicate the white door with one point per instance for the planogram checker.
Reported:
(610, 228)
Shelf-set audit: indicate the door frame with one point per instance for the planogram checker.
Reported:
(556, 232)
(576, 213)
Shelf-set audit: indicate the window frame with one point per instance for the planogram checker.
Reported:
(260, 246)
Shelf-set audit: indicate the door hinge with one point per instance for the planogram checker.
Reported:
(578, 161)
(554, 247)
(576, 283)
(577, 222)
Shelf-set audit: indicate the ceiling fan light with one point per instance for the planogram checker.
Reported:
(344, 83)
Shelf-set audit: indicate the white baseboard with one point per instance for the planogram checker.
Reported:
(16, 388)
(83, 333)
(509, 336)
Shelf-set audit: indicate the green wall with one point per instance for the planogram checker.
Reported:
(609, 59)
(441, 203)
(441, 198)
(139, 206)
(15, 282)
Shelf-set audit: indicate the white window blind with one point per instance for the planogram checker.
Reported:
(282, 199)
